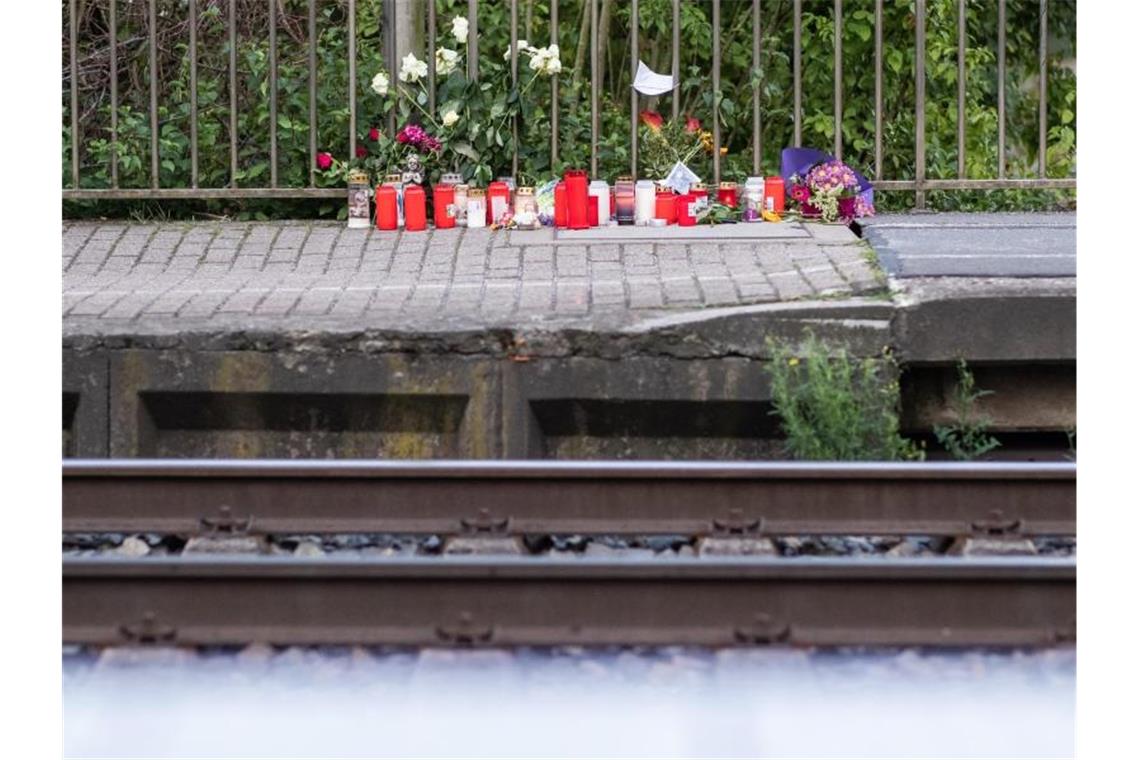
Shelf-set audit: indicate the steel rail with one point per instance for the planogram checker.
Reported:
(529, 602)
(448, 497)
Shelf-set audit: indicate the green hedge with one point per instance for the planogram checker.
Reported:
(774, 77)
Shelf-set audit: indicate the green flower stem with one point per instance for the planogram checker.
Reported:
(422, 110)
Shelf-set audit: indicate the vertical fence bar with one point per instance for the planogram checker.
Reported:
(553, 89)
(112, 22)
(273, 93)
(920, 103)
(961, 89)
(676, 68)
(595, 86)
(152, 63)
(233, 93)
(757, 152)
(312, 92)
(1043, 92)
(716, 89)
(878, 89)
(73, 51)
(389, 11)
(797, 85)
(194, 93)
(431, 55)
(1001, 88)
(634, 21)
(352, 79)
(839, 79)
(472, 39)
(514, 85)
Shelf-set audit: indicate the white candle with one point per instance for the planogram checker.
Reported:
(599, 188)
(646, 201)
(476, 207)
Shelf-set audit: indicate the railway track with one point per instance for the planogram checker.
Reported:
(512, 602)
(517, 498)
(199, 600)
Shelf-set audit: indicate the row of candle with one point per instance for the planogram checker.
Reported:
(578, 203)
(577, 206)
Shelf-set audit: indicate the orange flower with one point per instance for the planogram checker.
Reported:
(652, 119)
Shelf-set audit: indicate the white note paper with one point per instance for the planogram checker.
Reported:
(649, 82)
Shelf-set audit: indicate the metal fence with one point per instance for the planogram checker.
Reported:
(920, 184)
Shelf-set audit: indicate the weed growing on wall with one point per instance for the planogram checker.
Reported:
(966, 438)
(833, 406)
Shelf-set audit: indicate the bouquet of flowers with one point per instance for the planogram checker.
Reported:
(664, 145)
(824, 187)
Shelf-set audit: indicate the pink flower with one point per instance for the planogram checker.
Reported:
(847, 207)
(831, 176)
(692, 124)
(800, 193)
(374, 134)
(324, 161)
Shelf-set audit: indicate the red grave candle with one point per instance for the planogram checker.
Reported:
(592, 210)
(577, 199)
(665, 206)
(415, 209)
(774, 194)
(560, 211)
(443, 203)
(686, 208)
(498, 201)
(726, 194)
(386, 211)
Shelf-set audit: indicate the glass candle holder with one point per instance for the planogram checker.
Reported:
(625, 200)
(476, 208)
(359, 210)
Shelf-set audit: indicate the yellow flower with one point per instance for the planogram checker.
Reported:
(793, 362)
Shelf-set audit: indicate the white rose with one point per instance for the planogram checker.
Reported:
(524, 46)
(412, 69)
(545, 60)
(445, 61)
(459, 29)
(450, 118)
(380, 83)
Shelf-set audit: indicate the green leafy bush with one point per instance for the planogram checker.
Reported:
(733, 104)
(833, 406)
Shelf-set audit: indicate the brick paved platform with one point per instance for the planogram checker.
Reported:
(218, 276)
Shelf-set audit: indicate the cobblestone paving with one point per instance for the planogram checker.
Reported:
(117, 274)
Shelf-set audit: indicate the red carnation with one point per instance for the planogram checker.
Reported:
(361, 151)
(652, 119)
(324, 161)
(692, 124)
(374, 134)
